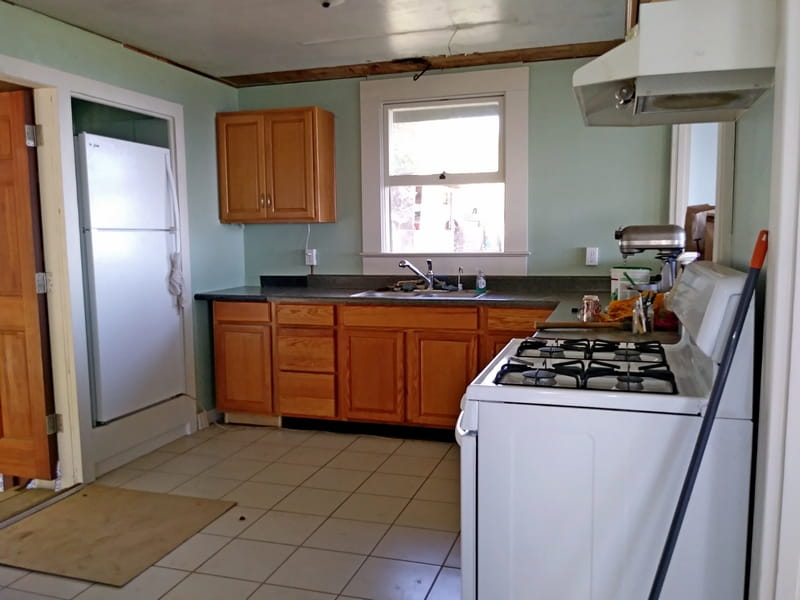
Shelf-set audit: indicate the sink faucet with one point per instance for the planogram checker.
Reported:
(428, 279)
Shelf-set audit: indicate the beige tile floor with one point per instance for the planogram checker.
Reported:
(319, 516)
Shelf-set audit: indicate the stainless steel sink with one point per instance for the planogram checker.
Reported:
(420, 294)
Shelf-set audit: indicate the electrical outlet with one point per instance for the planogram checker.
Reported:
(592, 256)
(311, 256)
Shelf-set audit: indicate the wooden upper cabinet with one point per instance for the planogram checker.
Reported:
(276, 166)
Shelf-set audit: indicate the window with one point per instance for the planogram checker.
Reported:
(444, 171)
(444, 177)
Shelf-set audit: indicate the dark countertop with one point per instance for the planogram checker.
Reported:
(531, 292)
(563, 294)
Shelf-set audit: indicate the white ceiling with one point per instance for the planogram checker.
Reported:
(238, 37)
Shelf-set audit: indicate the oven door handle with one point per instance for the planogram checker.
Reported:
(460, 431)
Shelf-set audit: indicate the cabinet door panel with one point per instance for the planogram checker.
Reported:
(242, 367)
(306, 350)
(240, 143)
(290, 166)
(306, 394)
(371, 375)
(440, 365)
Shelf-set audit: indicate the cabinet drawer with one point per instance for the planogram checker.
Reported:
(304, 314)
(302, 350)
(242, 312)
(306, 394)
(408, 317)
(514, 319)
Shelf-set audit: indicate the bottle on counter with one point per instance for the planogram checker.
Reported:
(480, 282)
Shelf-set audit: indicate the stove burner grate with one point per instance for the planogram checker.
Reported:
(631, 381)
(567, 374)
(650, 352)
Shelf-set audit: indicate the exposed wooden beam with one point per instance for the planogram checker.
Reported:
(409, 65)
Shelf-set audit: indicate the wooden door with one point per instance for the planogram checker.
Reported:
(290, 172)
(240, 161)
(26, 393)
(440, 365)
(371, 375)
(243, 367)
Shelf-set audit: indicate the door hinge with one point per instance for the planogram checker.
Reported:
(54, 423)
(44, 283)
(33, 135)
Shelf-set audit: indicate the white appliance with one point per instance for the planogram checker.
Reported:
(130, 240)
(573, 453)
(687, 61)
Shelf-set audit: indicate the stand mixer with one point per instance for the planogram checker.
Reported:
(667, 240)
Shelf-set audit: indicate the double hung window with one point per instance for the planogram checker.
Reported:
(444, 171)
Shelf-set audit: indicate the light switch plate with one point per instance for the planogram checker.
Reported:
(592, 256)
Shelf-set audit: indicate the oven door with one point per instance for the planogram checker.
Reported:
(576, 503)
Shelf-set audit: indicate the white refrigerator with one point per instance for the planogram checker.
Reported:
(132, 279)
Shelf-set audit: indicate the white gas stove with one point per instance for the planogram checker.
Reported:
(574, 451)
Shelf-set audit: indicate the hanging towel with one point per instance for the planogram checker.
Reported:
(175, 282)
(175, 285)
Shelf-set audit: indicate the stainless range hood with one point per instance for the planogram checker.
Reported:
(687, 61)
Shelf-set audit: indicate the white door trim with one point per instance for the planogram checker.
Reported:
(679, 184)
(775, 570)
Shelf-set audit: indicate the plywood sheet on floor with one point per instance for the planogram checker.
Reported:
(103, 534)
(15, 501)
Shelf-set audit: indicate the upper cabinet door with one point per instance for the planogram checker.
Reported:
(279, 163)
(240, 148)
(290, 166)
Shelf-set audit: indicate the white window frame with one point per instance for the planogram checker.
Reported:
(512, 85)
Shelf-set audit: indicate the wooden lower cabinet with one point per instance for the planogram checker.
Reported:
(440, 365)
(243, 357)
(370, 363)
(372, 375)
(305, 360)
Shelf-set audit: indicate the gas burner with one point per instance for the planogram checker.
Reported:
(629, 383)
(552, 351)
(627, 354)
(541, 377)
(630, 377)
(638, 352)
(526, 372)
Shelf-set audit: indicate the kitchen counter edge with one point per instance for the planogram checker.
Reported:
(344, 296)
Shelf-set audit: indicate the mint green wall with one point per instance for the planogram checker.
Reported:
(584, 181)
(217, 250)
(752, 178)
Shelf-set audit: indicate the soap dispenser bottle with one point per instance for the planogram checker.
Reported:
(480, 282)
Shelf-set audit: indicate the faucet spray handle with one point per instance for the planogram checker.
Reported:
(430, 265)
